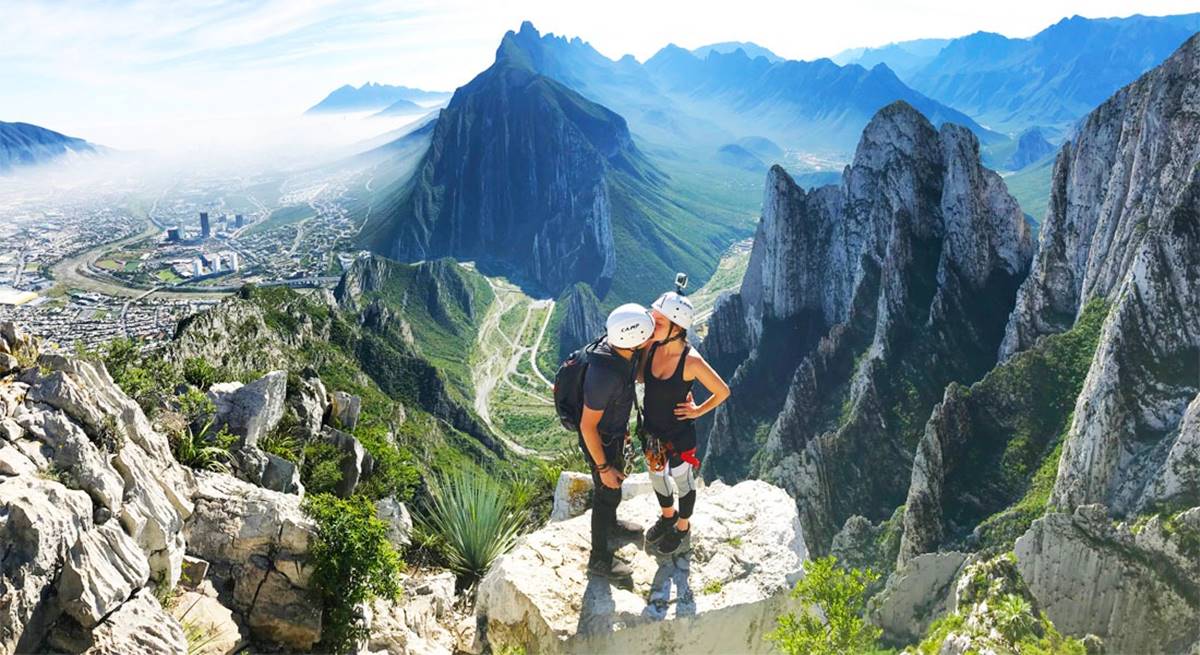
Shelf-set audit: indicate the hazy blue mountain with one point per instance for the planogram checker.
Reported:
(1054, 77)
(736, 155)
(401, 107)
(23, 144)
(810, 104)
(681, 101)
(761, 146)
(1032, 146)
(372, 96)
(903, 57)
(727, 47)
(520, 159)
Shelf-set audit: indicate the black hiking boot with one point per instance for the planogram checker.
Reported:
(613, 569)
(660, 528)
(673, 541)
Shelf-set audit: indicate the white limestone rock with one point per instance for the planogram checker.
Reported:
(918, 592)
(1139, 590)
(723, 596)
(252, 410)
(573, 493)
(100, 572)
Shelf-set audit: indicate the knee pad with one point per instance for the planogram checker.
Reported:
(685, 478)
(658, 481)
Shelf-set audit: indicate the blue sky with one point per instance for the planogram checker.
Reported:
(106, 68)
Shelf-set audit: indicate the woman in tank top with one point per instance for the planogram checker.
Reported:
(669, 369)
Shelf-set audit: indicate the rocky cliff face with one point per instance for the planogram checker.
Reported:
(92, 509)
(1081, 451)
(516, 159)
(1123, 225)
(868, 296)
(582, 319)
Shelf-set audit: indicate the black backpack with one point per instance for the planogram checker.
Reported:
(568, 386)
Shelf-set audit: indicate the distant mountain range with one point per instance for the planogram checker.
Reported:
(22, 144)
(752, 50)
(1050, 79)
(384, 98)
(680, 100)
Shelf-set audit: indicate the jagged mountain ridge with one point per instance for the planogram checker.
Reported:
(901, 275)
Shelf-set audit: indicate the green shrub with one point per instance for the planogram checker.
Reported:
(322, 468)
(840, 595)
(202, 451)
(473, 518)
(195, 405)
(395, 474)
(198, 372)
(353, 562)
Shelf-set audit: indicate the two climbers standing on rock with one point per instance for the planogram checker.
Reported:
(594, 393)
(669, 370)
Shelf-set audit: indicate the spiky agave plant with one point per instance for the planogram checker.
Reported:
(474, 519)
(193, 449)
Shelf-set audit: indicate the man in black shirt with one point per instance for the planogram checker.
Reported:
(608, 395)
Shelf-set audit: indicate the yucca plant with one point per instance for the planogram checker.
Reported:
(193, 449)
(474, 519)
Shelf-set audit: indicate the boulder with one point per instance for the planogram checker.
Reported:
(417, 622)
(356, 461)
(140, 625)
(343, 410)
(309, 402)
(250, 411)
(720, 597)
(916, 594)
(1137, 589)
(573, 493)
(219, 629)
(100, 572)
(395, 514)
(256, 542)
(39, 521)
(77, 461)
(194, 571)
(8, 364)
(268, 470)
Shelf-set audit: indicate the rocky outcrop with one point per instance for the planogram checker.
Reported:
(344, 409)
(917, 593)
(582, 320)
(92, 506)
(256, 542)
(723, 596)
(252, 410)
(1031, 147)
(861, 302)
(399, 521)
(1137, 587)
(1124, 225)
(994, 612)
(416, 622)
(573, 492)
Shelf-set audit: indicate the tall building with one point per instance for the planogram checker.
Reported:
(173, 234)
(235, 262)
(205, 227)
(239, 220)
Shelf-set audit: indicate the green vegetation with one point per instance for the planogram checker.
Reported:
(201, 450)
(198, 372)
(353, 562)
(995, 615)
(474, 518)
(1013, 455)
(1031, 187)
(840, 596)
(713, 587)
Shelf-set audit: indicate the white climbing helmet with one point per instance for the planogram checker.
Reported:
(629, 326)
(677, 308)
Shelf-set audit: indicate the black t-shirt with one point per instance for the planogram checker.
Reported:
(608, 386)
